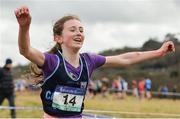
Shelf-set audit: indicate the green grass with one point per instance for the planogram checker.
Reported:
(129, 104)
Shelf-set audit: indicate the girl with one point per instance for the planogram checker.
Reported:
(66, 72)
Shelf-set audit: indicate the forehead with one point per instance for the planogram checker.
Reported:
(72, 22)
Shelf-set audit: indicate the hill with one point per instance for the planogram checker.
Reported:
(163, 71)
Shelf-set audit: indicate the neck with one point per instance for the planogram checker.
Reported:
(72, 57)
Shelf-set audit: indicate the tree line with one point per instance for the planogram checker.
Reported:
(162, 71)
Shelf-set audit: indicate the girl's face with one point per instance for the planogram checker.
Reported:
(72, 34)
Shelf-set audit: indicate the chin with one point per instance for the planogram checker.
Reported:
(77, 48)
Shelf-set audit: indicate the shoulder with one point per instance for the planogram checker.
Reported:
(94, 59)
(51, 61)
(50, 57)
(93, 56)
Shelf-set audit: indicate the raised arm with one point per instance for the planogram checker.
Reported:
(129, 58)
(24, 19)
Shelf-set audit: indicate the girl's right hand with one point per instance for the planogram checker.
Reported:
(23, 17)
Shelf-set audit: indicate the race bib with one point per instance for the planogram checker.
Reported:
(68, 98)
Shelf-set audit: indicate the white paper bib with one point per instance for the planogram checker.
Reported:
(68, 98)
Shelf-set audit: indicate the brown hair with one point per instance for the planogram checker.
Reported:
(57, 30)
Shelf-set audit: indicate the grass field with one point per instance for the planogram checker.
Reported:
(148, 108)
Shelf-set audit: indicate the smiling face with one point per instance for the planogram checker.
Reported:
(72, 36)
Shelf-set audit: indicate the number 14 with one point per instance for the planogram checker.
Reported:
(72, 100)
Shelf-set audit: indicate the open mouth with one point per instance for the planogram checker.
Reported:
(77, 39)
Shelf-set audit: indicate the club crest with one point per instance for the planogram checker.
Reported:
(83, 84)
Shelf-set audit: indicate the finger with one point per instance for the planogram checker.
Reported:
(17, 14)
(173, 48)
(26, 10)
(22, 11)
(170, 48)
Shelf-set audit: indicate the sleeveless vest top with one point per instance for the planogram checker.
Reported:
(62, 95)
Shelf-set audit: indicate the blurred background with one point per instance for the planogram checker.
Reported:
(111, 27)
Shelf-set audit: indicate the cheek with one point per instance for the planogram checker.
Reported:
(68, 41)
(67, 38)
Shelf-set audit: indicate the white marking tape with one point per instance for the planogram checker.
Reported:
(99, 111)
(141, 113)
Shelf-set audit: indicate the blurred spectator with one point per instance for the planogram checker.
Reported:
(141, 89)
(124, 85)
(20, 85)
(105, 84)
(91, 89)
(135, 88)
(148, 85)
(174, 90)
(120, 87)
(115, 85)
(164, 91)
(98, 85)
(7, 86)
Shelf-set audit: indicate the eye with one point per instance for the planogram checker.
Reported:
(81, 30)
(72, 30)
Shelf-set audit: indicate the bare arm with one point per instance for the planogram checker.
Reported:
(24, 19)
(129, 58)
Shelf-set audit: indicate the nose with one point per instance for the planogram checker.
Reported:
(78, 32)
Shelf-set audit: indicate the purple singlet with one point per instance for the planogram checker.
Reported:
(93, 61)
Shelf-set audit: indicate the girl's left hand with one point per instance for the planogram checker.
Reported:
(167, 47)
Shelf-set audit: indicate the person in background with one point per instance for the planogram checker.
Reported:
(120, 90)
(7, 86)
(148, 85)
(125, 88)
(115, 87)
(135, 88)
(141, 89)
(164, 91)
(174, 90)
(91, 89)
(105, 85)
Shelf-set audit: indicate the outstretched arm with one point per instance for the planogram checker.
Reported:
(24, 19)
(129, 58)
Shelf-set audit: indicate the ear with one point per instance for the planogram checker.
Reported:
(58, 38)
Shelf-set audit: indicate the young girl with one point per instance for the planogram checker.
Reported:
(66, 72)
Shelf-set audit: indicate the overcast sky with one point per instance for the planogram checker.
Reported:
(108, 23)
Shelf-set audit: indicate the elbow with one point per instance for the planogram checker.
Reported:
(122, 63)
(24, 52)
(21, 52)
(128, 63)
